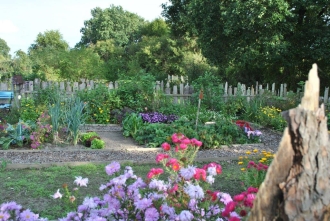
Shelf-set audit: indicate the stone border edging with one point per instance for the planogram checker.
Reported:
(45, 165)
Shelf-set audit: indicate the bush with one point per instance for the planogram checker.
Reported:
(29, 110)
(100, 102)
(97, 144)
(271, 117)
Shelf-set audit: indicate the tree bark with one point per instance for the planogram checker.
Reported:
(296, 186)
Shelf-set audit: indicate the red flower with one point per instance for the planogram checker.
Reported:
(154, 172)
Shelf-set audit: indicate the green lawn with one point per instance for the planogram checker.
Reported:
(32, 188)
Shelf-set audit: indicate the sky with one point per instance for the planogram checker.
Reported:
(22, 20)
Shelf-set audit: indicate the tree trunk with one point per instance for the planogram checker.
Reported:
(296, 186)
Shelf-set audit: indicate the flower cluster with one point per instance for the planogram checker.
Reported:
(42, 131)
(181, 196)
(14, 211)
(250, 132)
(156, 117)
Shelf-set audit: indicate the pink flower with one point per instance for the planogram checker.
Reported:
(166, 146)
(176, 166)
(174, 189)
(196, 142)
(200, 174)
(183, 146)
(239, 197)
(161, 157)
(177, 138)
(185, 141)
(57, 194)
(171, 161)
(154, 172)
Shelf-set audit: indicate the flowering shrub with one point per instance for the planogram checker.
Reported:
(156, 117)
(41, 131)
(28, 110)
(271, 116)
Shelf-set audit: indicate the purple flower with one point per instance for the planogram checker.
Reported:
(158, 185)
(112, 168)
(187, 173)
(185, 215)
(89, 202)
(194, 192)
(151, 214)
(4, 215)
(143, 204)
(28, 215)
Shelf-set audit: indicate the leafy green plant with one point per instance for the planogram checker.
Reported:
(97, 144)
(86, 136)
(74, 116)
(132, 124)
(15, 134)
(3, 164)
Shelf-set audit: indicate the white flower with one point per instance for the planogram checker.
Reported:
(57, 194)
(195, 192)
(212, 171)
(81, 181)
(210, 179)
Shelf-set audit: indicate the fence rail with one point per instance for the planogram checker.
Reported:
(180, 92)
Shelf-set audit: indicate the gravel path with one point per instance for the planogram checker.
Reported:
(120, 148)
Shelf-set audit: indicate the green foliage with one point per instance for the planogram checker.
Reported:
(137, 92)
(132, 123)
(74, 116)
(99, 109)
(286, 29)
(15, 134)
(271, 117)
(4, 48)
(11, 117)
(108, 24)
(49, 39)
(98, 144)
(86, 136)
(29, 111)
(212, 91)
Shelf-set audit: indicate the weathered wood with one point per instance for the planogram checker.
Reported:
(297, 184)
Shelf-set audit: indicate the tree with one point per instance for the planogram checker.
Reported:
(4, 48)
(22, 64)
(257, 40)
(111, 23)
(52, 39)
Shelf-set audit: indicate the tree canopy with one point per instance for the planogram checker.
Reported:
(257, 40)
(52, 39)
(111, 23)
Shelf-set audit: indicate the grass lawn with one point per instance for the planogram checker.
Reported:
(33, 188)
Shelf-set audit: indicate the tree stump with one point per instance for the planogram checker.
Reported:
(296, 186)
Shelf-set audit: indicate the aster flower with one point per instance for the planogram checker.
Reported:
(57, 194)
(81, 181)
(112, 168)
(143, 204)
(151, 214)
(89, 201)
(186, 215)
(187, 173)
(194, 192)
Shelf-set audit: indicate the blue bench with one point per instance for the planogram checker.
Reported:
(6, 98)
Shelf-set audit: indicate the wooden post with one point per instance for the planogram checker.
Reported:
(297, 183)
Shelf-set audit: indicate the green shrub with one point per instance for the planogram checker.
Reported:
(271, 117)
(97, 144)
(29, 110)
(100, 102)
(132, 124)
(137, 92)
